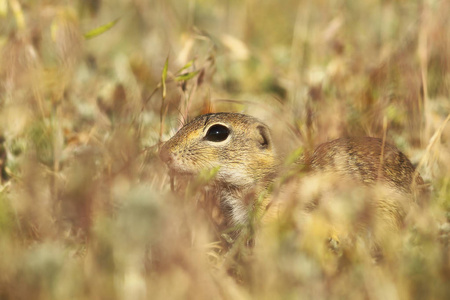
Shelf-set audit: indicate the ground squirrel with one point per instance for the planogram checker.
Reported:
(240, 146)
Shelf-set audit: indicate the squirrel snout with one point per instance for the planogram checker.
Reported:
(165, 156)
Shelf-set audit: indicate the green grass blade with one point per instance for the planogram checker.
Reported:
(186, 76)
(186, 66)
(164, 77)
(99, 30)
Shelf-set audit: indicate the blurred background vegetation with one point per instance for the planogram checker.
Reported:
(86, 210)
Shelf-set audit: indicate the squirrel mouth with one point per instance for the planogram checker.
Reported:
(177, 178)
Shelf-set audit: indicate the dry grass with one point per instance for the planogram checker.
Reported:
(86, 210)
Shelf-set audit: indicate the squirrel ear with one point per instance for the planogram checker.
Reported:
(264, 139)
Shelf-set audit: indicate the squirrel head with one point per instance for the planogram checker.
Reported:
(238, 145)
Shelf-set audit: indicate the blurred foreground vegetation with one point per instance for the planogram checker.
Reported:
(86, 210)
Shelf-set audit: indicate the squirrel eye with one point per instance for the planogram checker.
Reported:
(217, 133)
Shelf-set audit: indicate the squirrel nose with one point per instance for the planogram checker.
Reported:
(165, 155)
